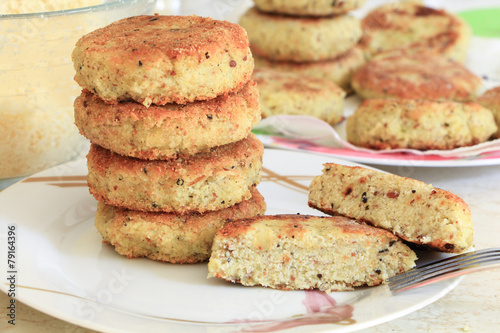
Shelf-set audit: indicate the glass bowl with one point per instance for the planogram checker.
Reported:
(37, 89)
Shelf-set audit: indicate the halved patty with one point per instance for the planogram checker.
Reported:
(307, 252)
(414, 211)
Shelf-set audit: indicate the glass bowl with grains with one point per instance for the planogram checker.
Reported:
(37, 89)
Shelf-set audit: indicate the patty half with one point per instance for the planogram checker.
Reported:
(307, 252)
(416, 212)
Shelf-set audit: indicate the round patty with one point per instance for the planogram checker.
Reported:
(415, 76)
(170, 237)
(207, 181)
(491, 100)
(419, 124)
(308, 7)
(416, 29)
(338, 70)
(279, 37)
(163, 59)
(298, 94)
(169, 131)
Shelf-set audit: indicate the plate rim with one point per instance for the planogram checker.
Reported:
(458, 162)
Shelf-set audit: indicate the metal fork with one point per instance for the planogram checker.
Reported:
(445, 268)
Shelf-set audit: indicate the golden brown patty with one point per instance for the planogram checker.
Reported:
(305, 252)
(279, 37)
(308, 7)
(298, 94)
(416, 76)
(163, 59)
(203, 182)
(419, 124)
(169, 237)
(338, 70)
(411, 209)
(416, 29)
(169, 131)
(491, 100)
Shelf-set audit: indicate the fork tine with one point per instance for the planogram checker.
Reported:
(446, 262)
(435, 275)
(465, 255)
(404, 285)
(456, 273)
(445, 268)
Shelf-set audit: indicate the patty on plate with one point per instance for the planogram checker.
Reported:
(203, 182)
(292, 252)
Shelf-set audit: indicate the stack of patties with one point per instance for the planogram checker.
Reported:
(317, 38)
(168, 104)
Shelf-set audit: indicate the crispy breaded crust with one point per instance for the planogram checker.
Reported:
(169, 237)
(169, 131)
(338, 70)
(308, 7)
(163, 59)
(203, 182)
(419, 124)
(416, 29)
(417, 212)
(307, 252)
(299, 94)
(285, 38)
(415, 76)
(491, 100)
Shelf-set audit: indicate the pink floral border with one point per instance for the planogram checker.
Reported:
(320, 309)
(345, 152)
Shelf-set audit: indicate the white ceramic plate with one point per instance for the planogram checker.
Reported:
(62, 268)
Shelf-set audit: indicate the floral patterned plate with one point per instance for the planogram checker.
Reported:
(63, 269)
